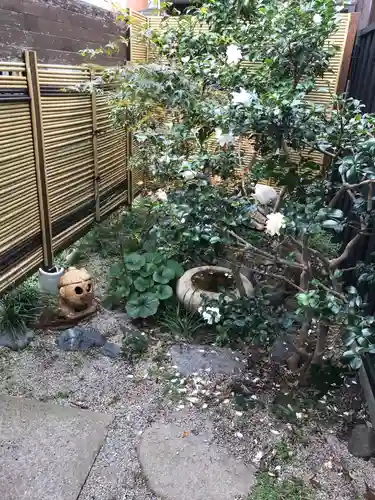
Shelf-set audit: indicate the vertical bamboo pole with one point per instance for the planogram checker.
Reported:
(129, 152)
(39, 155)
(95, 152)
(129, 137)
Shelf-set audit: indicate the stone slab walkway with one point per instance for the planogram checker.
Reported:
(182, 465)
(47, 450)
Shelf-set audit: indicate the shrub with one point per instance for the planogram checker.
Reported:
(243, 320)
(18, 308)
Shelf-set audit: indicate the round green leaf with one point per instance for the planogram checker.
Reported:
(142, 284)
(148, 269)
(163, 275)
(116, 271)
(134, 261)
(163, 292)
(176, 268)
(143, 306)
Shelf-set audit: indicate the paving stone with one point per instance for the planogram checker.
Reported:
(193, 358)
(47, 450)
(362, 441)
(182, 465)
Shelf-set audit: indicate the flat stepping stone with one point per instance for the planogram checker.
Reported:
(180, 465)
(47, 450)
(194, 358)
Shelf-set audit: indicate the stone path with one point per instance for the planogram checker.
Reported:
(46, 450)
(180, 464)
(86, 427)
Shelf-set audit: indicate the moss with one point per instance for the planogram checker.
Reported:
(269, 488)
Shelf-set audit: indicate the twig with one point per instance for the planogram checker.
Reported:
(279, 199)
(276, 260)
(369, 198)
(277, 276)
(329, 290)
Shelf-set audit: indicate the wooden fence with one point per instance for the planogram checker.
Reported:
(62, 164)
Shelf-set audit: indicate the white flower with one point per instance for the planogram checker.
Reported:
(274, 223)
(211, 314)
(234, 54)
(188, 175)
(317, 19)
(185, 59)
(224, 139)
(243, 97)
(264, 194)
(161, 195)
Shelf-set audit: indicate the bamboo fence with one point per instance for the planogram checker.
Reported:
(62, 164)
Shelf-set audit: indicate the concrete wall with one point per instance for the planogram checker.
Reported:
(57, 30)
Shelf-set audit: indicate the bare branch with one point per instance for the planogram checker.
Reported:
(329, 290)
(337, 196)
(277, 276)
(272, 258)
(279, 199)
(334, 263)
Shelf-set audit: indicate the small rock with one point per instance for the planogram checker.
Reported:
(111, 350)
(16, 341)
(80, 339)
(283, 348)
(190, 359)
(362, 441)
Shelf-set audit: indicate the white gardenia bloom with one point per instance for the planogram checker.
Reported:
(274, 223)
(317, 19)
(234, 54)
(188, 175)
(224, 139)
(243, 97)
(264, 194)
(161, 195)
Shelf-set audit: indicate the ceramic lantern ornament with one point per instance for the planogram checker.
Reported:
(76, 294)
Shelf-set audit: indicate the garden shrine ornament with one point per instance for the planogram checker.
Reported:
(76, 294)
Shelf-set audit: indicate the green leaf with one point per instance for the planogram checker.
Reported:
(116, 271)
(134, 261)
(142, 284)
(349, 338)
(356, 363)
(163, 275)
(330, 224)
(348, 354)
(176, 268)
(154, 257)
(143, 306)
(163, 292)
(214, 239)
(148, 269)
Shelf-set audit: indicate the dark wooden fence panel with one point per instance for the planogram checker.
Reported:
(362, 74)
(58, 30)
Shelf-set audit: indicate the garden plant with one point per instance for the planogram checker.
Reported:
(244, 84)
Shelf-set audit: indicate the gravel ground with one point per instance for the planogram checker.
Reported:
(137, 395)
